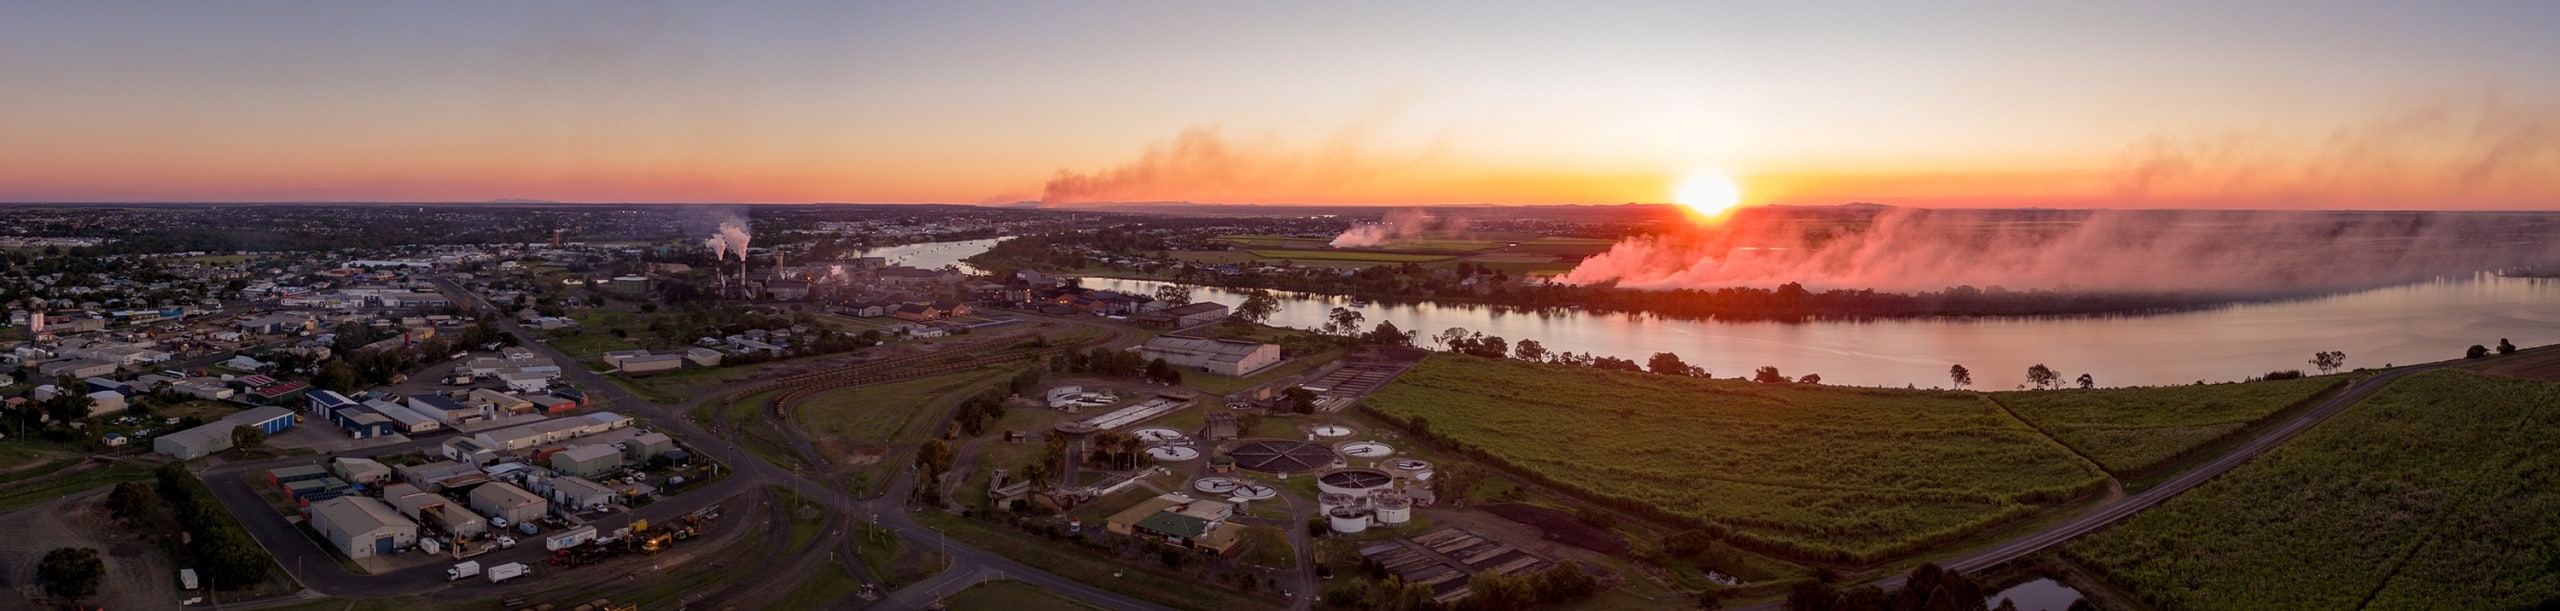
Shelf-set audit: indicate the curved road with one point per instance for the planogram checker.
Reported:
(2109, 514)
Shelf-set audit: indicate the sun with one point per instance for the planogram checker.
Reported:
(1709, 194)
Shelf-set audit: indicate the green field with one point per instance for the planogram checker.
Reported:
(2129, 430)
(1349, 255)
(1835, 473)
(1013, 596)
(2440, 492)
(861, 427)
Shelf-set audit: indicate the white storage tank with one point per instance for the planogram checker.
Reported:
(1347, 520)
(1393, 508)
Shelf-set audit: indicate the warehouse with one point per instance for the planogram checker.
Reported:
(587, 460)
(505, 500)
(1225, 357)
(576, 492)
(362, 527)
(450, 412)
(645, 446)
(502, 402)
(652, 363)
(215, 436)
(408, 420)
(361, 470)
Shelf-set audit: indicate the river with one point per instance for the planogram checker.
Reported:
(2409, 323)
(935, 255)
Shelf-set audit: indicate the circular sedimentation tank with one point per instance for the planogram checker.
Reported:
(1254, 492)
(1214, 485)
(1281, 456)
(1157, 434)
(1329, 500)
(1172, 453)
(1409, 464)
(1331, 430)
(1354, 481)
(1364, 449)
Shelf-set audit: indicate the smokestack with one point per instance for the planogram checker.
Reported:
(555, 238)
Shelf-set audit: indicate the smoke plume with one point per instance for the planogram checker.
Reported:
(1905, 249)
(733, 233)
(1398, 224)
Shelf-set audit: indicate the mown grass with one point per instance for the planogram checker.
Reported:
(2438, 492)
(1012, 596)
(1831, 473)
(827, 589)
(2129, 430)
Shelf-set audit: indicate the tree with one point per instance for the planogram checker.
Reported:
(1960, 376)
(1302, 400)
(1665, 363)
(1810, 378)
(1530, 350)
(68, 406)
(1174, 294)
(2041, 376)
(1454, 480)
(933, 457)
(129, 501)
(1388, 335)
(1768, 374)
(245, 437)
(2087, 382)
(1453, 339)
(1025, 381)
(337, 376)
(1257, 308)
(1162, 371)
(1494, 591)
(1246, 422)
(1343, 321)
(70, 573)
(2476, 351)
(2506, 347)
(2328, 361)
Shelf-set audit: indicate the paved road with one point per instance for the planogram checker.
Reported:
(2109, 514)
(312, 565)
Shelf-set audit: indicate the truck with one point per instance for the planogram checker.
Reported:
(571, 538)
(507, 571)
(459, 571)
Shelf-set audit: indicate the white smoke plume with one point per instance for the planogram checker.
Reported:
(1907, 249)
(1398, 224)
(734, 234)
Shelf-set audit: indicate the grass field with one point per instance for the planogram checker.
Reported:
(591, 344)
(1138, 581)
(862, 426)
(2440, 492)
(30, 493)
(2128, 430)
(1349, 255)
(1824, 472)
(1013, 596)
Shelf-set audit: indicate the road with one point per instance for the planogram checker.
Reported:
(2102, 516)
(749, 471)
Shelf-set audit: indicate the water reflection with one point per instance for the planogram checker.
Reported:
(935, 255)
(2411, 323)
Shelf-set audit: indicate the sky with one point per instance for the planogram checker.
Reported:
(2327, 104)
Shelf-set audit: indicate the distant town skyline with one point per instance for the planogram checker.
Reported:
(2297, 104)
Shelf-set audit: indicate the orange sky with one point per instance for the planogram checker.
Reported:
(2277, 104)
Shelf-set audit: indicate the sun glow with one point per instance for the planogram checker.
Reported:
(1709, 194)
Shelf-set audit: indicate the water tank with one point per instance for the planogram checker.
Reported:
(1393, 508)
(1347, 520)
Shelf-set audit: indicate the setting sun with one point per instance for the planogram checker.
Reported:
(1709, 194)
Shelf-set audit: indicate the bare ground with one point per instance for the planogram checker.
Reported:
(138, 576)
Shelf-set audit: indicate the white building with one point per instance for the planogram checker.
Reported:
(363, 527)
